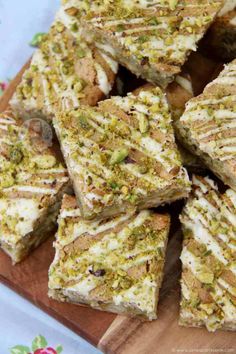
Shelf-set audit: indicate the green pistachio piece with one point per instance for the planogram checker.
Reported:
(153, 21)
(173, 4)
(206, 277)
(114, 185)
(7, 181)
(56, 48)
(143, 124)
(118, 156)
(45, 161)
(81, 53)
(79, 85)
(59, 27)
(120, 28)
(34, 68)
(89, 180)
(72, 11)
(142, 39)
(74, 27)
(83, 122)
(66, 68)
(37, 39)
(16, 155)
(143, 169)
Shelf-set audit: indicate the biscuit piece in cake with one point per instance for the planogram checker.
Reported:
(115, 265)
(221, 37)
(64, 73)
(208, 126)
(178, 93)
(122, 154)
(151, 38)
(32, 183)
(209, 258)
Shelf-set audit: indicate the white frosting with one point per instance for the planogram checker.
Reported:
(20, 208)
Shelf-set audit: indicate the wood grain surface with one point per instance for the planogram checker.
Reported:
(115, 334)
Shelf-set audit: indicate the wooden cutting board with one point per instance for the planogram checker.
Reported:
(108, 332)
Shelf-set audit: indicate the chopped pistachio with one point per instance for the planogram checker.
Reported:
(155, 108)
(80, 84)
(120, 28)
(125, 190)
(37, 39)
(143, 124)
(142, 39)
(44, 161)
(59, 27)
(113, 185)
(118, 156)
(7, 181)
(89, 180)
(72, 11)
(173, 4)
(207, 253)
(206, 277)
(34, 68)
(81, 53)
(143, 169)
(16, 155)
(153, 21)
(74, 27)
(56, 48)
(83, 121)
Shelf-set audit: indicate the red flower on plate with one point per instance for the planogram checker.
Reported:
(39, 346)
(48, 350)
(3, 86)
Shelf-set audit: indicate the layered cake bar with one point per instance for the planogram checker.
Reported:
(122, 154)
(64, 73)
(208, 126)
(209, 258)
(114, 265)
(32, 183)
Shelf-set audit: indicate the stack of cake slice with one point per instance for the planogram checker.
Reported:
(123, 160)
(32, 183)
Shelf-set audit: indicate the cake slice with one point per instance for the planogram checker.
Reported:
(208, 126)
(151, 38)
(221, 37)
(32, 182)
(115, 265)
(122, 154)
(64, 73)
(209, 258)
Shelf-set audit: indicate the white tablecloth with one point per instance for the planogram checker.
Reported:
(21, 322)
